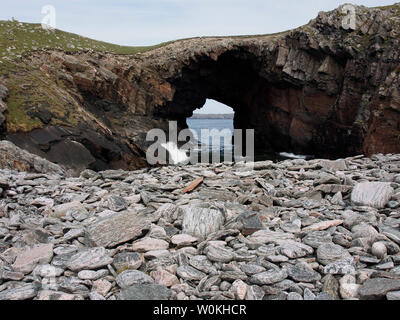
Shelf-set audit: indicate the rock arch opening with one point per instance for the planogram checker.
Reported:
(212, 126)
(288, 115)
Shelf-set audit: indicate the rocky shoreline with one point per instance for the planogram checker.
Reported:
(293, 230)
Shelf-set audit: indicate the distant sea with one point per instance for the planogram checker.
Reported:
(196, 125)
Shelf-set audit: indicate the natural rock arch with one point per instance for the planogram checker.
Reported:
(287, 115)
(319, 89)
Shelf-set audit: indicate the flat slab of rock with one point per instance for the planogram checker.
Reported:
(183, 240)
(71, 209)
(131, 277)
(372, 194)
(149, 244)
(89, 259)
(189, 273)
(329, 253)
(200, 221)
(303, 275)
(25, 292)
(29, 259)
(377, 288)
(323, 225)
(265, 237)
(118, 228)
(269, 277)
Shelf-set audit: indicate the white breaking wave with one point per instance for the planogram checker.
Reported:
(176, 155)
(292, 155)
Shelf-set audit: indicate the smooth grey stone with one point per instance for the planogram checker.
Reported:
(324, 296)
(393, 295)
(294, 296)
(130, 277)
(127, 260)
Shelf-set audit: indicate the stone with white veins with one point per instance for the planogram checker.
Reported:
(189, 273)
(269, 277)
(25, 292)
(293, 249)
(202, 220)
(116, 229)
(372, 194)
(329, 253)
(149, 244)
(219, 254)
(90, 259)
(183, 240)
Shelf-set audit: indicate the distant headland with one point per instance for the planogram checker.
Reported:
(213, 116)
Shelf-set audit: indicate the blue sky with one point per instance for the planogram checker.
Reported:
(148, 22)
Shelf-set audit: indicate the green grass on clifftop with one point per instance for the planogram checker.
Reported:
(17, 39)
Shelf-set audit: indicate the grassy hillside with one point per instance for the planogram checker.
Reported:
(17, 38)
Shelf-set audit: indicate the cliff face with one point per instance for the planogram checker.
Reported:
(318, 89)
